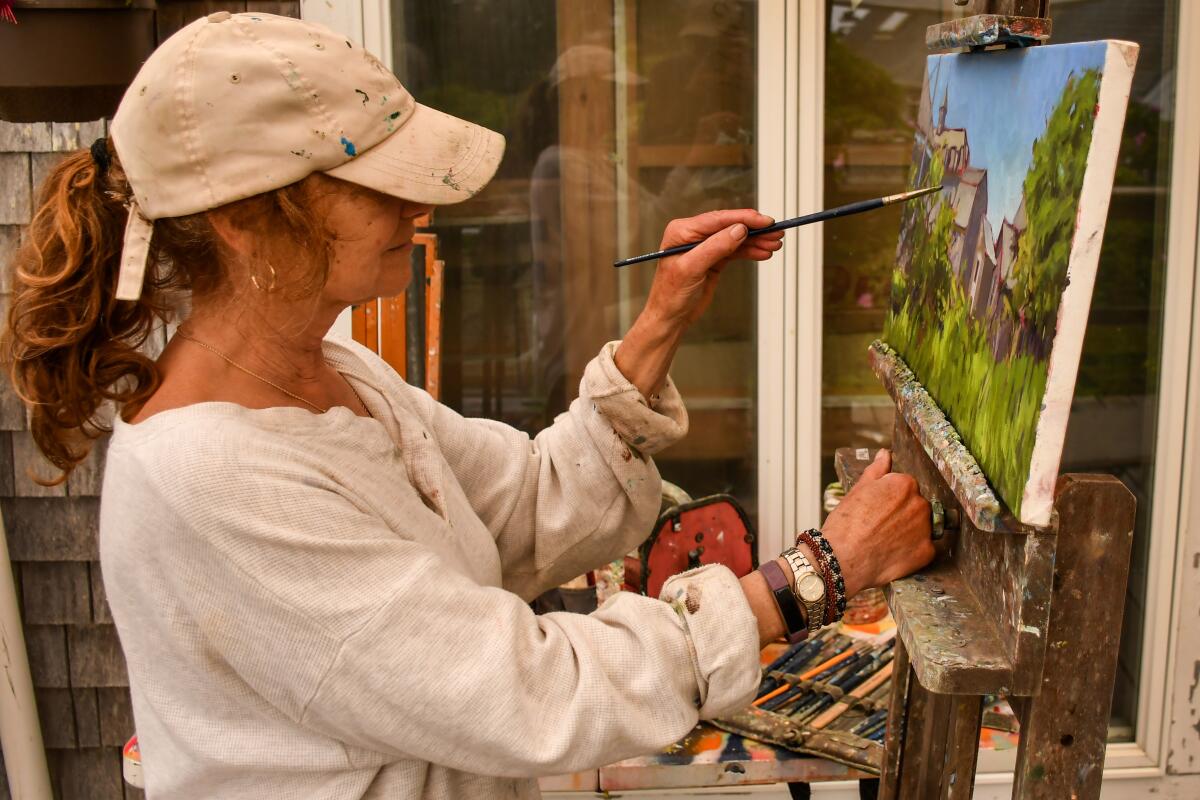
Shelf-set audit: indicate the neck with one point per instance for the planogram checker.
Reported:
(280, 340)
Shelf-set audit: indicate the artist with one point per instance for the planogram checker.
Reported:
(320, 575)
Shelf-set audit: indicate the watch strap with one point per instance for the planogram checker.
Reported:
(789, 606)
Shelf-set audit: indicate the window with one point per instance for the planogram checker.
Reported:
(620, 115)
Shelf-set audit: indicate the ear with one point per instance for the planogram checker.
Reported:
(233, 237)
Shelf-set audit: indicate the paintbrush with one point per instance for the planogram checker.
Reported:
(805, 696)
(818, 701)
(784, 693)
(842, 675)
(876, 718)
(859, 688)
(795, 222)
(807, 654)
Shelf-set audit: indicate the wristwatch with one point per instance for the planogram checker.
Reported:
(810, 588)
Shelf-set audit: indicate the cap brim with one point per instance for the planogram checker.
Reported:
(433, 158)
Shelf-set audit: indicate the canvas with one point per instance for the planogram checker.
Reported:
(994, 274)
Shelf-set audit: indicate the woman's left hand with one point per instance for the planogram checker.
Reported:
(683, 288)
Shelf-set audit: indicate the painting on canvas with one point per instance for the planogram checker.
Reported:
(994, 274)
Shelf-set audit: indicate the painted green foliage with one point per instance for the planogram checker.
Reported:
(989, 373)
(1059, 162)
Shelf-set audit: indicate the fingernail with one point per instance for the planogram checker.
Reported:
(738, 231)
(879, 454)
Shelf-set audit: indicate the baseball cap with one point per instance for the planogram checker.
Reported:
(234, 105)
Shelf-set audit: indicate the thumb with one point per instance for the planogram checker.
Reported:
(715, 249)
(881, 466)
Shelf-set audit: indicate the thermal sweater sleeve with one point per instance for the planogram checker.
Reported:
(379, 642)
(582, 492)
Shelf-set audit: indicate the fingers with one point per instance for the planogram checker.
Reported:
(761, 248)
(879, 467)
(716, 248)
(693, 229)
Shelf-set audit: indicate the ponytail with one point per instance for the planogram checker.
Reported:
(70, 344)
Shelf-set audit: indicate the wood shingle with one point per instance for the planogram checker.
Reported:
(47, 646)
(15, 199)
(28, 466)
(51, 528)
(56, 593)
(25, 137)
(87, 717)
(95, 656)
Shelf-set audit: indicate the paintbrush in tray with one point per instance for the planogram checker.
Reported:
(795, 222)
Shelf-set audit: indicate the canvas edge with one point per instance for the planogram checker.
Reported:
(1037, 498)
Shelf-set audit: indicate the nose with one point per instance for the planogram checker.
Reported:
(414, 210)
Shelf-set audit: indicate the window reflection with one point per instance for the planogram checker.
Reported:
(620, 115)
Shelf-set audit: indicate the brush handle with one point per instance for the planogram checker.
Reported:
(863, 689)
(783, 225)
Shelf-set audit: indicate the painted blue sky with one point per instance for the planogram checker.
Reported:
(1003, 100)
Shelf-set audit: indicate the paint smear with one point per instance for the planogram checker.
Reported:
(349, 147)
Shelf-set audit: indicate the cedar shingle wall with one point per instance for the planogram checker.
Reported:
(78, 669)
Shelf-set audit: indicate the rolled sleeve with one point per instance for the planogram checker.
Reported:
(722, 635)
(646, 425)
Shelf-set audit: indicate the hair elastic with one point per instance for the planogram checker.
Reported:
(100, 154)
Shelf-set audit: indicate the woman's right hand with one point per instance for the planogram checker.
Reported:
(881, 529)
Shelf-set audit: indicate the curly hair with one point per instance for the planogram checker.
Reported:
(70, 345)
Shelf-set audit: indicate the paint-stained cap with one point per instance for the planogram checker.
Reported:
(234, 105)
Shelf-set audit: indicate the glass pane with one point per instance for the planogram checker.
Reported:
(874, 68)
(618, 119)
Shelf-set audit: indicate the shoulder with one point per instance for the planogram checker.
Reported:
(212, 453)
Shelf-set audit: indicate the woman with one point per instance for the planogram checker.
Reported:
(319, 574)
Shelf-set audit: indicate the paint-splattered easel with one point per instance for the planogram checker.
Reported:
(1033, 614)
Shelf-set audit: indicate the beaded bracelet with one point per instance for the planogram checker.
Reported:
(832, 570)
(831, 606)
(836, 567)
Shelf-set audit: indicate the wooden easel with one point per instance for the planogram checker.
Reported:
(1032, 614)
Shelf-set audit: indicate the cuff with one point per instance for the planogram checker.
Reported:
(647, 426)
(722, 636)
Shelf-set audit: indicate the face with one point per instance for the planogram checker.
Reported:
(372, 243)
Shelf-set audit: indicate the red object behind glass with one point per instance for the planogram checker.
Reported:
(711, 530)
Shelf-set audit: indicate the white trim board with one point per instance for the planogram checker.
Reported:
(775, 307)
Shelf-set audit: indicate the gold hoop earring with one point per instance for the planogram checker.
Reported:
(270, 287)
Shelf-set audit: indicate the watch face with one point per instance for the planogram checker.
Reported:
(810, 588)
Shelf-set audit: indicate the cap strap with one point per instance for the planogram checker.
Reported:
(134, 254)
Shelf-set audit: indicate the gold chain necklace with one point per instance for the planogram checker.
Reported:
(251, 373)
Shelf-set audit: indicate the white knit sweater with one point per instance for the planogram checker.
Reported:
(330, 606)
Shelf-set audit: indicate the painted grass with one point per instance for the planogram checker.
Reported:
(993, 405)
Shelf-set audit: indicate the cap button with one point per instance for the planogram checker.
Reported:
(219, 16)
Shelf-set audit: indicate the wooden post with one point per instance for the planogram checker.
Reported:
(1065, 726)
(587, 127)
